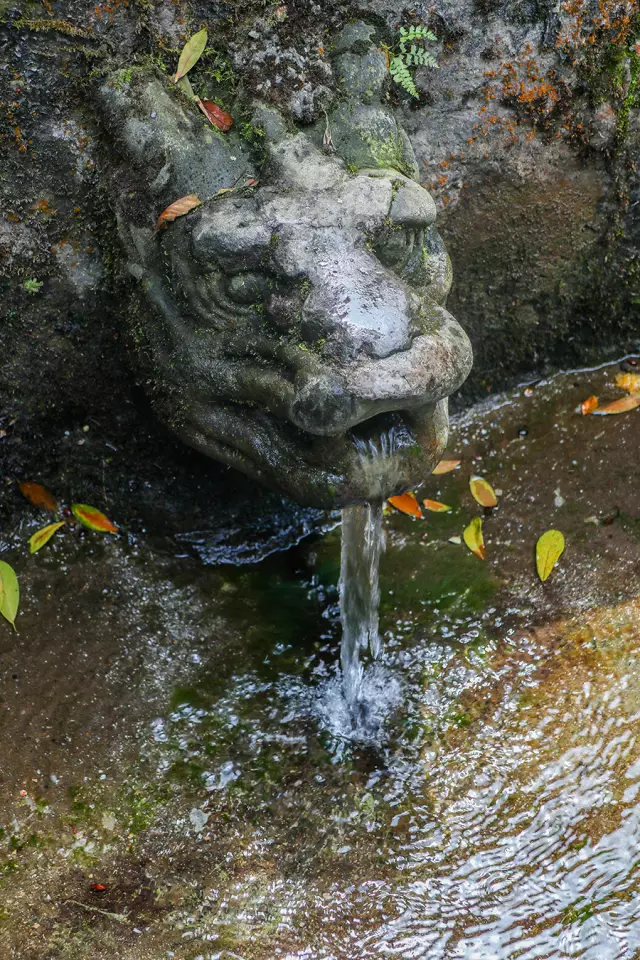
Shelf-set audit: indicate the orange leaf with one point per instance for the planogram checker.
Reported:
(39, 496)
(215, 114)
(619, 406)
(473, 538)
(589, 405)
(445, 466)
(436, 506)
(177, 209)
(406, 503)
(92, 518)
(629, 382)
(482, 492)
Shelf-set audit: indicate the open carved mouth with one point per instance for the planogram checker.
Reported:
(377, 458)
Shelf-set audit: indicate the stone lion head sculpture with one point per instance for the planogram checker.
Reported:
(293, 325)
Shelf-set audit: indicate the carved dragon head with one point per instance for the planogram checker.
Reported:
(294, 326)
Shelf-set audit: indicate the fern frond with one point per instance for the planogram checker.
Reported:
(400, 73)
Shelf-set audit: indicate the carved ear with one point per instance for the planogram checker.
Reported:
(163, 146)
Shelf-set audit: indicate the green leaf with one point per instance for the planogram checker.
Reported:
(92, 518)
(549, 549)
(9, 593)
(191, 53)
(43, 536)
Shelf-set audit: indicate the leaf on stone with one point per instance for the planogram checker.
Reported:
(406, 503)
(482, 492)
(39, 496)
(9, 593)
(92, 518)
(445, 466)
(548, 551)
(178, 209)
(589, 405)
(215, 114)
(629, 382)
(40, 537)
(619, 406)
(473, 538)
(191, 53)
(436, 506)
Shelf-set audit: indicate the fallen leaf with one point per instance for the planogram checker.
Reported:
(98, 887)
(629, 382)
(9, 593)
(619, 406)
(92, 518)
(436, 506)
(455, 539)
(191, 53)
(473, 537)
(548, 551)
(406, 503)
(40, 537)
(215, 114)
(589, 405)
(178, 209)
(445, 466)
(39, 496)
(482, 492)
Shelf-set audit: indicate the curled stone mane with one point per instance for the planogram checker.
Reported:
(293, 327)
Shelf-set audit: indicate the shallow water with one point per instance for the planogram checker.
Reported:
(186, 746)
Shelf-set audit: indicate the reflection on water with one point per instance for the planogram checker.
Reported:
(499, 820)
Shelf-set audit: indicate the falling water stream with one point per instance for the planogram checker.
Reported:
(362, 543)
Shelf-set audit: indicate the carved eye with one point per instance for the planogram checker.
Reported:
(247, 288)
(394, 246)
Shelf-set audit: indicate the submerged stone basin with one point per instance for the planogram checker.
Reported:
(177, 778)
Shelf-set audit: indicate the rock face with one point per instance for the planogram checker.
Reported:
(526, 136)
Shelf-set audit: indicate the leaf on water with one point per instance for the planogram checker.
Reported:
(178, 209)
(629, 382)
(445, 466)
(473, 537)
(406, 503)
(455, 539)
(482, 492)
(215, 114)
(436, 506)
(9, 593)
(619, 406)
(92, 518)
(589, 405)
(39, 496)
(191, 53)
(548, 551)
(40, 537)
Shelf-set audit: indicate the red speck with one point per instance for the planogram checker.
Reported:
(98, 887)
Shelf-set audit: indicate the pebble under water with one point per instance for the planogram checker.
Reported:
(183, 780)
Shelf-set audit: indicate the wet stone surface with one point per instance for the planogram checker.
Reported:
(177, 777)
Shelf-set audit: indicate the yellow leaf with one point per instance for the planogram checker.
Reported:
(178, 209)
(40, 537)
(9, 593)
(619, 406)
(191, 53)
(548, 551)
(406, 503)
(92, 518)
(629, 382)
(473, 537)
(589, 405)
(482, 492)
(436, 506)
(445, 466)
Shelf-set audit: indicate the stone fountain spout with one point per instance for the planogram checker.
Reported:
(293, 327)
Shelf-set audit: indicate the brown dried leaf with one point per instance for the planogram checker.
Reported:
(178, 209)
(39, 496)
(215, 114)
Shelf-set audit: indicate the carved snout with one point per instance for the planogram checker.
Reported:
(434, 365)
